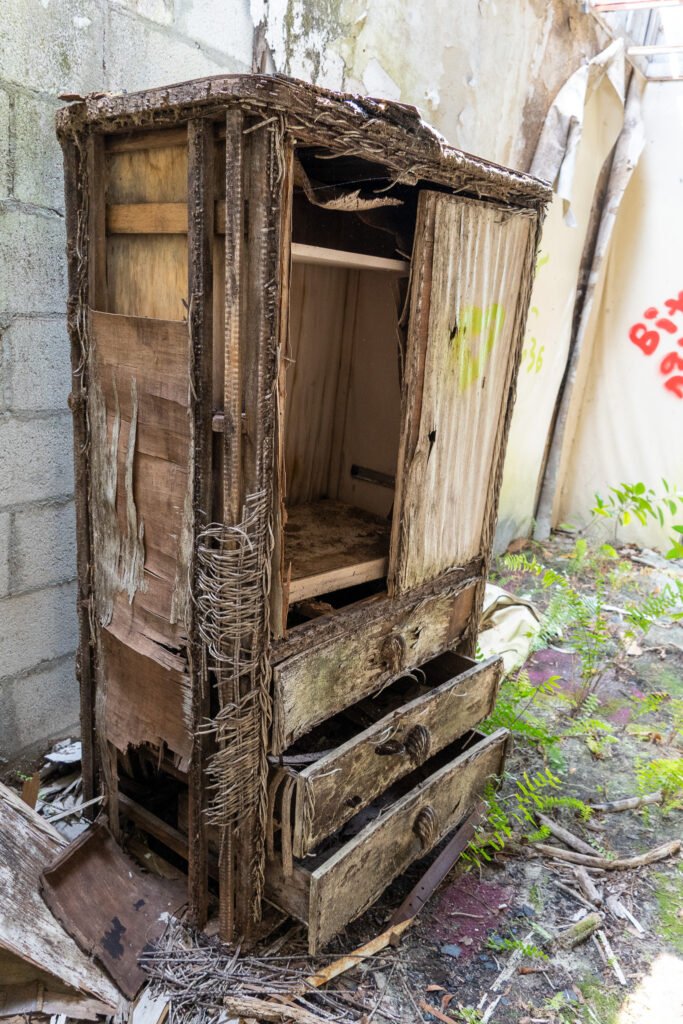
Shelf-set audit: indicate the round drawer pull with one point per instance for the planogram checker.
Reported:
(393, 652)
(426, 826)
(418, 743)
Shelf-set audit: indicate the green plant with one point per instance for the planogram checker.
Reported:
(627, 501)
(665, 774)
(514, 711)
(586, 614)
(588, 622)
(501, 945)
(468, 1015)
(513, 816)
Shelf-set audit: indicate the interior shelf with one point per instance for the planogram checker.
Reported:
(322, 257)
(330, 545)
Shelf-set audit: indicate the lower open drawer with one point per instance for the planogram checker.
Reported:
(351, 870)
(364, 750)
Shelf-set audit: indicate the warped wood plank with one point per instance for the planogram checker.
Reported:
(28, 931)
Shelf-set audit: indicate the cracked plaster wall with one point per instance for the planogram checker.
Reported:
(483, 72)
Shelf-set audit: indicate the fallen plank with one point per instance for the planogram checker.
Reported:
(345, 963)
(619, 863)
(264, 1009)
(28, 844)
(110, 907)
(35, 998)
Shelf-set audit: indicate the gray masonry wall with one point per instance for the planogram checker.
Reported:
(48, 47)
(483, 72)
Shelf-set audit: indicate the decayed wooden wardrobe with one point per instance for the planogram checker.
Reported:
(296, 319)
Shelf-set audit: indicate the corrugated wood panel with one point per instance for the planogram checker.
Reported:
(140, 368)
(470, 262)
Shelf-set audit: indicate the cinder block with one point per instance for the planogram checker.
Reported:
(43, 547)
(5, 526)
(221, 25)
(38, 174)
(38, 707)
(52, 47)
(138, 55)
(4, 145)
(36, 458)
(33, 264)
(36, 627)
(37, 364)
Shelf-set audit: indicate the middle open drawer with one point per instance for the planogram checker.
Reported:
(380, 740)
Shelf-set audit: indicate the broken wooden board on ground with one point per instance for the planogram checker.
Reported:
(108, 905)
(33, 945)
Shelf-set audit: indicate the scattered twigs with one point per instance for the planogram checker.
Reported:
(575, 895)
(587, 886)
(567, 837)
(619, 863)
(204, 979)
(579, 932)
(611, 958)
(629, 803)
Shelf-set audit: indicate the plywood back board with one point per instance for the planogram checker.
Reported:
(471, 260)
(147, 274)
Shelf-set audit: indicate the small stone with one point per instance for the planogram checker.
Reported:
(451, 949)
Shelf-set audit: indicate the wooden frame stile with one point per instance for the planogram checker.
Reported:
(76, 209)
(468, 644)
(259, 351)
(98, 300)
(232, 429)
(200, 323)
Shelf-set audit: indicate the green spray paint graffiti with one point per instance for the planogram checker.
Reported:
(472, 339)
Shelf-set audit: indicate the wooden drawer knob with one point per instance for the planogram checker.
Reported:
(426, 826)
(393, 653)
(417, 744)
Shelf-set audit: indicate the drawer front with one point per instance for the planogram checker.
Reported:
(344, 884)
(336, 787)
(314, 685)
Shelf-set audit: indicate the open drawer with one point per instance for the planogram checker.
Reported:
(406, 724)
(377, 645)
(351, 870)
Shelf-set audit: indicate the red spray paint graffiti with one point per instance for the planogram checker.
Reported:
(647, 339)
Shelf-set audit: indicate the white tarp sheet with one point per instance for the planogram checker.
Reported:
(580, 131)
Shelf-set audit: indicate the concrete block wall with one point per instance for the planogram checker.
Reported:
(48, 47)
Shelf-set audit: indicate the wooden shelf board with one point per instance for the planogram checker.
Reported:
(316, 255)
(330, 545)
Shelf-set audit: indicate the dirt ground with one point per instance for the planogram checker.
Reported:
(504, 913)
